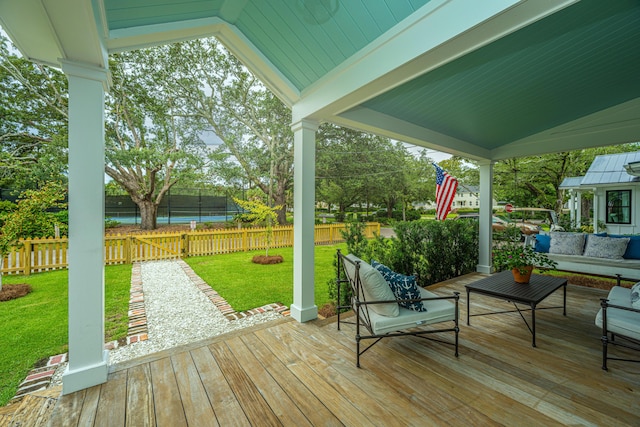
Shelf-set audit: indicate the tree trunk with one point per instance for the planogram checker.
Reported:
(1, 267)
(148, 214)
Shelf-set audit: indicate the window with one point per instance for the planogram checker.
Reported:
(619, 207)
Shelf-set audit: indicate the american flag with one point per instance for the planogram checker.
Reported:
(446, 186)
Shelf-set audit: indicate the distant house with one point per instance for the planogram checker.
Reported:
(467, 196)
(614, 180)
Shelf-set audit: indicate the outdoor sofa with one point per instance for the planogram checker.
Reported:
(600, 254)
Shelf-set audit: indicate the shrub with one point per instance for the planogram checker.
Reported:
(111, 223)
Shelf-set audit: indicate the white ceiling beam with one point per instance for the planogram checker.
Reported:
(438, 33)
(366, 120)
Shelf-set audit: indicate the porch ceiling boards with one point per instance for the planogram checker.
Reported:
(287, 373)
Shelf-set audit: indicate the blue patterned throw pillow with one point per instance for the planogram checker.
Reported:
(403, 287)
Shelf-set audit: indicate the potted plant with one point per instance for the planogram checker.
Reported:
(520, 259)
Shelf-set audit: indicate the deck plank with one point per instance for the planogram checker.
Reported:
(314, 408)
(166, 396)
(275, 396)
(140, 405)
(113, 401)
(223, 401)
(197, 408)
(255, 408)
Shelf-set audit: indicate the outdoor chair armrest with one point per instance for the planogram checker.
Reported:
(604, 303)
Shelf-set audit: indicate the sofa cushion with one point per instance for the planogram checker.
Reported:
(436, 311)
(543, 243)
(621, 322)
(566, 243)
(375, 288)
(635, 296)
(605, 247)
(403, 287)
(633, 248)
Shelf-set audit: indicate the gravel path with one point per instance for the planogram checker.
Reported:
(178, 313)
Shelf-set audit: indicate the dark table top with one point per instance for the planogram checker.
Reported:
(502, 285)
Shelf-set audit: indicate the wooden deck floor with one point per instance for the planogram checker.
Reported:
(292, 374)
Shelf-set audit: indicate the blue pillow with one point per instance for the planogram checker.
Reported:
(543, 243)
(633, 248)
(403, 287)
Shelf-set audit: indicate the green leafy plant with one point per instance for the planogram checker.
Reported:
(261, 214)
(31, 218)
(514, 254)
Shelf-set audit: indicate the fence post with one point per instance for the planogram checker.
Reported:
(245, 240)
(184, 238)
(127, 249)
(26, 257)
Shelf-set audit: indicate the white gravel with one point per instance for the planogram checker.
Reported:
(178, 313)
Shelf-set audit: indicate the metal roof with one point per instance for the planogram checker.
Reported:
(571, 182)
(609, 169)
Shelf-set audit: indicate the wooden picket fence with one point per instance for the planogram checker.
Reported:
(37, 255)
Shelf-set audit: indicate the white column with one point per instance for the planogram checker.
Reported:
(596, 210)
(572, 207)
(303, 308)
(485, 217)
(578, 208)
(87, 357)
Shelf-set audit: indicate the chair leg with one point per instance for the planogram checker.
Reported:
(605, 341)
(357, 351)
(456, 332)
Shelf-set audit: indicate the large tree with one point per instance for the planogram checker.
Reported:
(215, 91)
(33, 121)
(535, 181)
(149, 147)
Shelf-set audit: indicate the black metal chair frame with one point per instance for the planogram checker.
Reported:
(360, 306)
(610, 337)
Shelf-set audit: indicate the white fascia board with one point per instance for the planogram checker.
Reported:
(74, 25)
(246, 52)
(438, 33)
(28, 26)
(615, 125)
(367, 120)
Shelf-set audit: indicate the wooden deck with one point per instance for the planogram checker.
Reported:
(286, 373)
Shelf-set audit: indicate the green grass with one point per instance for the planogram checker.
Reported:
(34, 327)
(246, 285)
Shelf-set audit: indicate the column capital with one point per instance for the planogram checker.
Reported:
(486, 162)
(87, 71)
(305, 124)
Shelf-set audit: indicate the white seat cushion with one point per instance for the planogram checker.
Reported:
(437, 311)
(623, 322)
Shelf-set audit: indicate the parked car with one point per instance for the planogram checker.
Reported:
(500, 224)
(537, 216)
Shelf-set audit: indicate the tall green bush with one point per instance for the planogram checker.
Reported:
(435, 250)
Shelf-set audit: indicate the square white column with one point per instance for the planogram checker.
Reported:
(303, 308)
(87, 357)
(485, 264)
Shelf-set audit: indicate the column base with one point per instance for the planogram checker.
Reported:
(486, 269)
(86, 376)
(304, 314)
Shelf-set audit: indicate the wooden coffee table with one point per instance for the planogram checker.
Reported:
(502, 286)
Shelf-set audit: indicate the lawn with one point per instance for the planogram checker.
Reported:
(34, 327)
(246, 285)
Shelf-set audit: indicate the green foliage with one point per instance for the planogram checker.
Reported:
(355, 239)
(260, 214)
(6, 206)
(511, 253)
(435, 250)
(111, 223)
(32, 218)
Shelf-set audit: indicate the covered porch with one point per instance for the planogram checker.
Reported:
(290, 373)
(484, 80)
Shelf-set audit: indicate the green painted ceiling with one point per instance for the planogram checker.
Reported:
(303, 39)
(576, 62)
